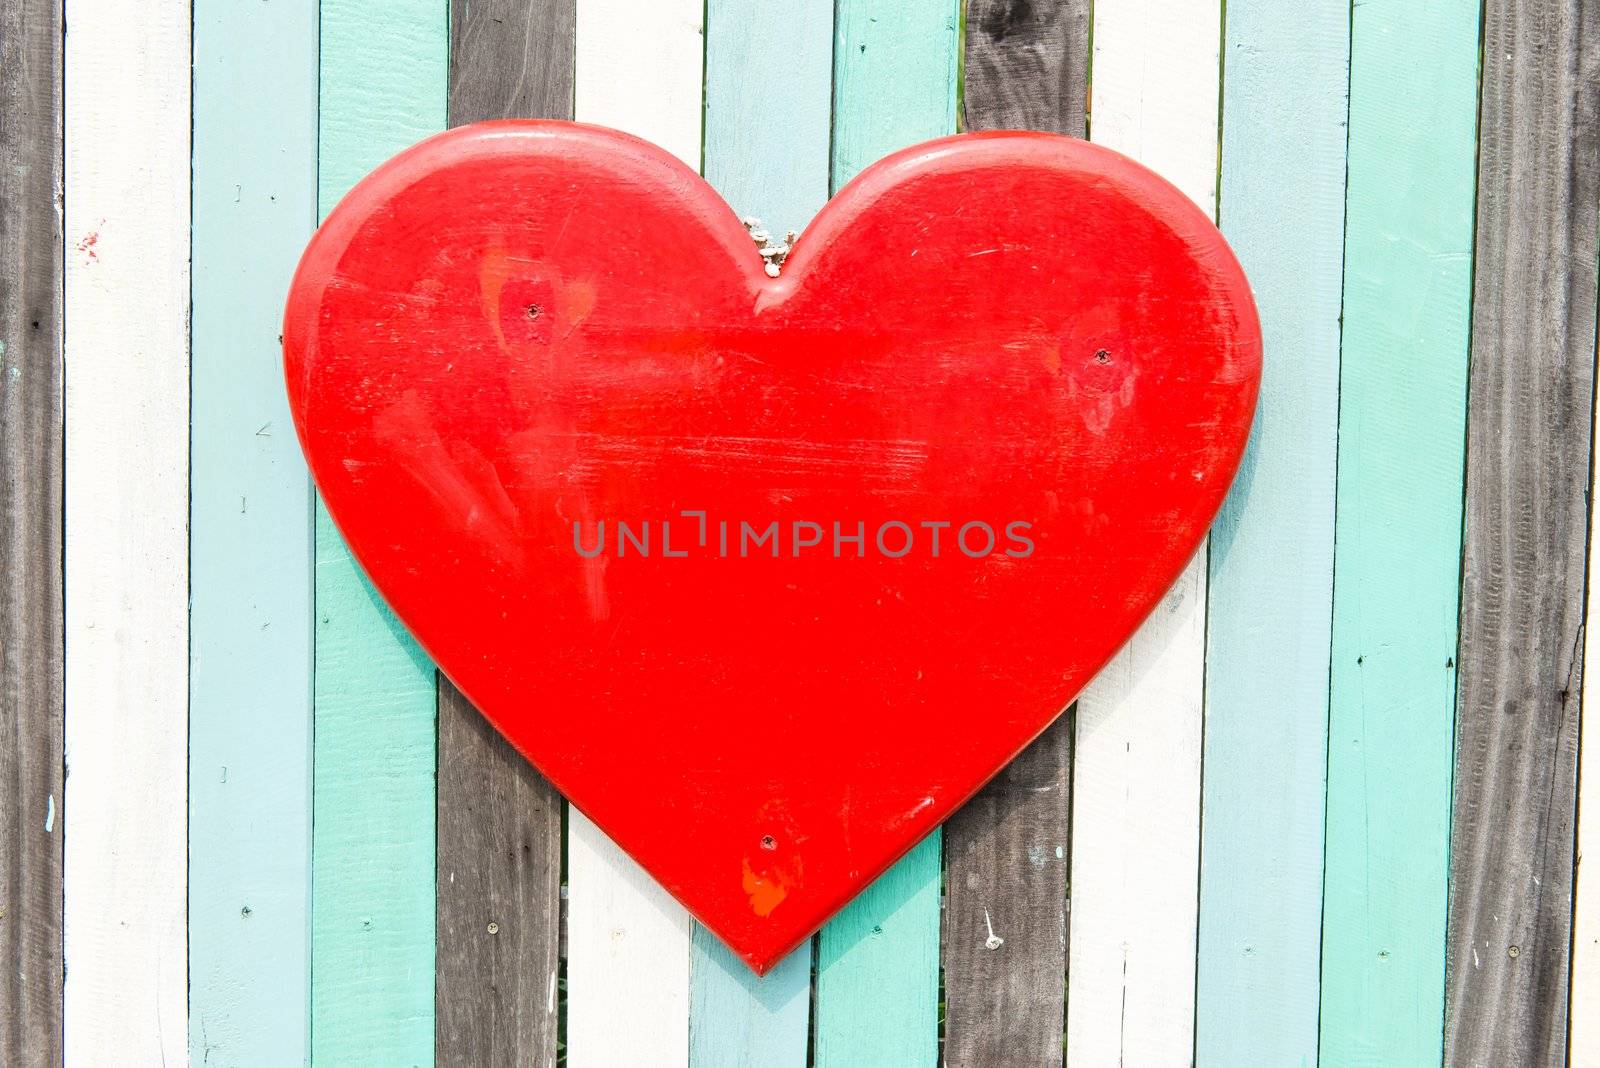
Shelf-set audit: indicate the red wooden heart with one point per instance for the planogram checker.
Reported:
(516, 328)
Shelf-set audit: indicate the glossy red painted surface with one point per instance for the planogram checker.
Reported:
(516, 327)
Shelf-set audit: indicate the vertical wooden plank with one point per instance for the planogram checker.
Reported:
(878, 969)
(1397, 564)
(499, 820)
(1004, 944)
(383, 86)
(1005, 917)
(30, 532)
(767, 153)
(126, 514)
(639, 68)
(1584, 1001)
(255, 157)
(1136, 774)
(894, 84)
(1026, 65)
(1528, 448)
(1281, 205)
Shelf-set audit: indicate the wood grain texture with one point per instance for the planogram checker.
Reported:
(1528, 448)
(639, 68)
(1281, 206)
(383, 87)
(877, 1000)
(1026, 65)
(1005, 917)
(1397, 564)
(1006, 850)
(1584, 1002)
(126, 512)
(1136, 771)
(767, 153)
(499, 894)
(255, 158)
(30, 533)
(498, 925)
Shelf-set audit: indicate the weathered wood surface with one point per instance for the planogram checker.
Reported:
(383, 87)
(1281, 206)
(126, 515)
(640, 69)
(1006, 851)
(767, 153)
(498, 924)
(877, 999)
(1397, 571)
(31, 670)
(1528, 448)
(254, 173)
(1026, 65)
(1136, 759)
(1584, 1040)
(1005, 915)
(499, 893)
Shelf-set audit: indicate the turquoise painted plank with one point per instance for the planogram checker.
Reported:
(878, 969)
(384, 66)
(1397, 564)
(767, 153)
(1281, 204)
(894, 84)
(255, 166)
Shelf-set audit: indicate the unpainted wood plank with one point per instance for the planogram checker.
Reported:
(499, 897)
(255, 159)
(877, 1000)
(126, 506)
(1584, 1001)
(31, 666)
(498, 922)
(1528, 449)
(1004, 938)
(766, 152)
(511, 59)
(384, 79)
(1005, 916)
(1026, 65)
(1136, 762)
(1281, 206)
(639, 69)
(1397, 569)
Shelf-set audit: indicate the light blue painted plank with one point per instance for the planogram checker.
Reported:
(1397, 568)
(768, 111)
(255, 165)
(894, 84)
(384, 66)
(1282, 206)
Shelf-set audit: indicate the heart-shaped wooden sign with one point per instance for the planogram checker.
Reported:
(769, 575)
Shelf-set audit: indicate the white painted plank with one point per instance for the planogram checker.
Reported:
(127, 504)
(1584, 1009)
(1136, 765)
(639, 68)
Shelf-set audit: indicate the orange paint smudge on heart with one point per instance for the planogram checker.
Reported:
(766, 891)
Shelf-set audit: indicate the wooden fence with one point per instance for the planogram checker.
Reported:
(1324, 806)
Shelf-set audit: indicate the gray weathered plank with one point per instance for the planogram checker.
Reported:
(1006, 857)
(1027, 64)
(499, 821)
(1528, 437)
(1005, 917)
(31, 671)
